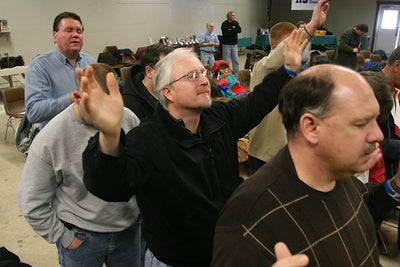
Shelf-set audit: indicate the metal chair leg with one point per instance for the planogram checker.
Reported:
(9, 124)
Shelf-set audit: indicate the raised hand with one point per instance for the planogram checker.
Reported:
(319, 16)
(103, 111)
(285, 258)
(293, 49)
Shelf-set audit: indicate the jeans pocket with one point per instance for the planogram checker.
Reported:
(81, 235)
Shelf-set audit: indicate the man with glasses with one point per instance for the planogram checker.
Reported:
(50, 79)
(180, 162)
(208, 41)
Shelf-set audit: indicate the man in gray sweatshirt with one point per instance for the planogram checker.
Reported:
(87, 230)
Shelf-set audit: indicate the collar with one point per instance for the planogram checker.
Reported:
(176, 127)
(64, 59)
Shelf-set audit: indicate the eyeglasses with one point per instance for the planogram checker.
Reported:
(194, 75)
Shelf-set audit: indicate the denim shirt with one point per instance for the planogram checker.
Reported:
(49, 80)
(206, 37)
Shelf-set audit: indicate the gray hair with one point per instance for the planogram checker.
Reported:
(164, 72)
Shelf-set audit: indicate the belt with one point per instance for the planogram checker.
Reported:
(209, 52)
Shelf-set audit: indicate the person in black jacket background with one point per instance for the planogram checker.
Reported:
(138, 92)
(230, 29)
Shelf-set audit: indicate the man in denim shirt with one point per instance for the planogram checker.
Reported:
(208, 41)
(50, 79)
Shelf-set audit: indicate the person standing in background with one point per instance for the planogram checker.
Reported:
(349, 45)
(138, 92)
(230, 29)
(208, 41)
(50, 81)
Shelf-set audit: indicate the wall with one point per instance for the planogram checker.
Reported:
(342, 14)
(125, 23)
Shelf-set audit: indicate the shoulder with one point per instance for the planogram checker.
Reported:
(43, 56)
(130, 120)
(87, 57)
(241, 207)
(55, 129)
(39, 60)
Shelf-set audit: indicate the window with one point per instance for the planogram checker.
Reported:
(389, 19)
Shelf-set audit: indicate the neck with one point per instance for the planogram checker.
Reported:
(148, 83)
(388, 72)
(72, 57)
(316, 176)
(190, 118)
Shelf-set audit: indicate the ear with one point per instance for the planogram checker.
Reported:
(54, 36)
(168, 93)
(148, 72)
(309, 127)
(396, 66)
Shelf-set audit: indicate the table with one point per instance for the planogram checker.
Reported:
(263, 40)
(324, 40)
(17, 72)
(244, 42)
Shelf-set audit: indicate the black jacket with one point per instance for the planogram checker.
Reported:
(136, 96)
(181, 180)
(230, 32)
(390, 147)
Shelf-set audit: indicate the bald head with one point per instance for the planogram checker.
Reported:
(318, 90)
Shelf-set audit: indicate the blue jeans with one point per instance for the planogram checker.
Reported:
(207, 58)
(230, 52)
(117, 249)
(152, 261)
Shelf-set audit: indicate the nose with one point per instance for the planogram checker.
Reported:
(203, 79)
(375, 134)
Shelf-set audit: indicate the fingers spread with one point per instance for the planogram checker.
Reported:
(112, 84)
(79, 74)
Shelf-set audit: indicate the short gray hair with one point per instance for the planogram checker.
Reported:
(164, 72)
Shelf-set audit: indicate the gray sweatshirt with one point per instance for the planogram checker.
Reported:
(51, 187)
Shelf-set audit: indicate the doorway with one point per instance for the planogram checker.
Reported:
(386, 35)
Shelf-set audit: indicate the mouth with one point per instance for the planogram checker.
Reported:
(204, 92)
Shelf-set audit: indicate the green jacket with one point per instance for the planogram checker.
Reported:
(344, 54)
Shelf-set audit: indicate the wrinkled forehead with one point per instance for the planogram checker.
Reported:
(353, 95)
(185, 64)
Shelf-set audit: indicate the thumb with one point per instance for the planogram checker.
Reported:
(281, 250)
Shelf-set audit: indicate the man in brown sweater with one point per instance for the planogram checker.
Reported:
(307, 195)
